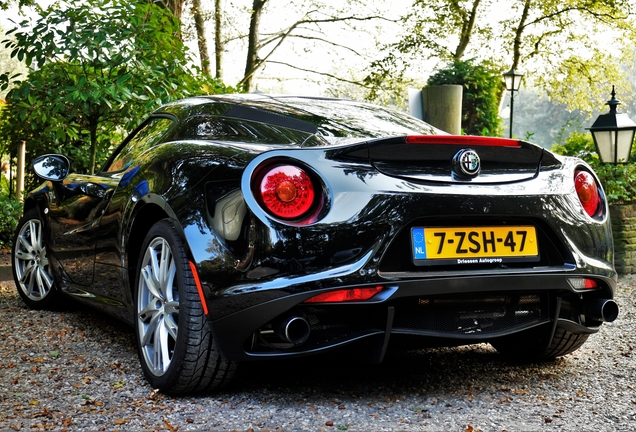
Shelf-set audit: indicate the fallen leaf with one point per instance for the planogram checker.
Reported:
(44, 413)
(169, 426)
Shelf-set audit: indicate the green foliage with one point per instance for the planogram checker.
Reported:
(619, 181)
(570, 49)
(432, 29)
(482, 91)
(4, 4)
(10, 68)
(10, 213)
(97, 68)
(387, 81)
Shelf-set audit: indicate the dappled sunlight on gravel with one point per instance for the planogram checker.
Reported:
(78, 370)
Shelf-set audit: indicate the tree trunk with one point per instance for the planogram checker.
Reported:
(252, 62)
(218, 41)
(467, 31)
(199, 24)
(93, 124)
(516, 49)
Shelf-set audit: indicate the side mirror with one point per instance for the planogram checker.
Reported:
(51, 167)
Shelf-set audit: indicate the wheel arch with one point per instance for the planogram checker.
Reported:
(144, 217)
(29, 203)
(36, 200)
(40, 203)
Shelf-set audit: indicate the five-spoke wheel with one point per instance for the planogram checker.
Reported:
(158, 306)
(31, 265)
(174, 336)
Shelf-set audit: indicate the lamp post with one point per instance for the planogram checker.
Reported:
(613, 134)
(512, 78)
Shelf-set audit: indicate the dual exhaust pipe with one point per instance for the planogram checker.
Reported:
(603, 310)
(293, 329)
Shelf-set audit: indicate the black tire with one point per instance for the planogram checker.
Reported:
(532, 349)
(31, 272)
(174, 337)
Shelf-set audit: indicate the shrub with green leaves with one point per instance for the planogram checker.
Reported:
(482, 89)
(619, 181)
(96, 69)
(10, 213)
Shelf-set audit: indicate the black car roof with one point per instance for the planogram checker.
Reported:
(313, 115)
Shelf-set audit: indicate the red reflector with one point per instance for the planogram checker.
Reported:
(587, 190)
(197, 282)
(345, 295)
(589, 283)
(287, 191)
(463, 140)
(583, 283)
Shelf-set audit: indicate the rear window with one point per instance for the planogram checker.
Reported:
(215, 128)
(349, 119)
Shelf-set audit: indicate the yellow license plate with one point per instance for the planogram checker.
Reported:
(475, 245)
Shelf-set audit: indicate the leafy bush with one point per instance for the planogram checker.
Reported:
(10, 213)
(480, 101)
(96, 68)
(619, 181)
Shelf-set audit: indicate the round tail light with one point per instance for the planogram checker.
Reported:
(287, 192)
(587, 190)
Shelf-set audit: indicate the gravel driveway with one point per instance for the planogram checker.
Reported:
(78, 370)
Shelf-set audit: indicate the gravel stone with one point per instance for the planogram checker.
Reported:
(78, 370)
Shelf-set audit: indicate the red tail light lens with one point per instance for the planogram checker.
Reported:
(345, 295)
(287, 191)
(587, 190)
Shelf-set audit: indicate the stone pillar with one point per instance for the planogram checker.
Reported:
(443, 107)
(623, 219)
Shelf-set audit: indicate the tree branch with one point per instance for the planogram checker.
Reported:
(327, 74)
(278, 38)
(335, 44)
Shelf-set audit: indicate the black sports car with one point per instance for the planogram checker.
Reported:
(245, 227)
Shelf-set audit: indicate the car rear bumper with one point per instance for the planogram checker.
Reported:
(464, 310)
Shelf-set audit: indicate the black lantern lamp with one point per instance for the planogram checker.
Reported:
(512, 78)
(613, 134)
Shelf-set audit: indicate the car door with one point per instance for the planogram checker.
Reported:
(73, 218)
(81, 201)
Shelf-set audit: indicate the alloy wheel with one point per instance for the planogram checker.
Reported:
(158, 306)
(31, 263)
